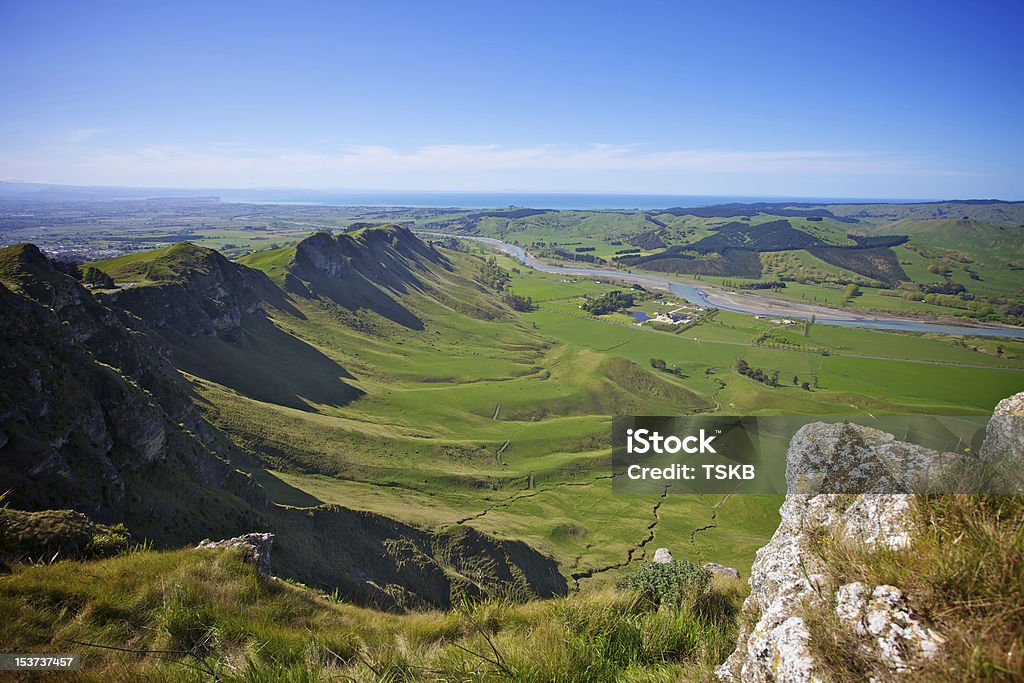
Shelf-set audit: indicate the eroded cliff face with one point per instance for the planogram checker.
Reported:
(789, 578)
(75, 430)
(207, 295)
(387, 256)
(113, 336)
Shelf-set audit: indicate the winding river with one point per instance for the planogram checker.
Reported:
(750, 304)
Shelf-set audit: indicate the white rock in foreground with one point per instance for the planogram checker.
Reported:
(1004, 436)
(787, 574)
(663, 556)
(256, 547)
(884, 616)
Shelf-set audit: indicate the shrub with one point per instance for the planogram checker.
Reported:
(673, 584)
(108, 541)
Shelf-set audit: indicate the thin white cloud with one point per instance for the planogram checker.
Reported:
(596, 157)
(483, 158)
(593, 167)
(82, 134)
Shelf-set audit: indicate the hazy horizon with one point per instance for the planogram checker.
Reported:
(741, 99)
(469, 199)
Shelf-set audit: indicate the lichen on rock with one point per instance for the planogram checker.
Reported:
(255, 547)
(789, 580)
(884, 618)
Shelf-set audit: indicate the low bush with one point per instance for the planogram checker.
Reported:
(672, 584)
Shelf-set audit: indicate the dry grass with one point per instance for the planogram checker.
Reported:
(964, 573)
(222, 617)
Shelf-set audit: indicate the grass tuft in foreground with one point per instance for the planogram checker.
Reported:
(964, 572)
(208, 612)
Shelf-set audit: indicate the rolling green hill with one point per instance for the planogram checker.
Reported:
(82, 433)
(413, 441)
(372, 380)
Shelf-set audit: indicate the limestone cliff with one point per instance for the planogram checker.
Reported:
(789, 579)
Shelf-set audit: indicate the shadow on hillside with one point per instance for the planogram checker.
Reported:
(270, 293)
(281, 492)
(356, 292)
(271, 365)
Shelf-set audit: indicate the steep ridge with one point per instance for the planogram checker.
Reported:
(208, 313)
(96, 416)
(102, 332)
(367, 269)
(194, 291)
(79, 433)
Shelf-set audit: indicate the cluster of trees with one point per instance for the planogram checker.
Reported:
(572, 256)
(947, 287)
(849, 291)
(660, 364)
(757, 374)
(614, 300)
(870, 242)
(964, 301)
(767, 284)
(806, 386)
(518, 303)
(580, 250)
(875, 263)
(491, 275)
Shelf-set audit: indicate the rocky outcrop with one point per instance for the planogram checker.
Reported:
(197, 291)
(722, 570)
(255, 549)
(787, 573)
(787, 577)
(1004, 435)
(840, 458)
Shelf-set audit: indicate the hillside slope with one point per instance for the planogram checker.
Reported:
(109, 437)
(381, 373)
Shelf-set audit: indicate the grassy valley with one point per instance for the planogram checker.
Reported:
(424, 423)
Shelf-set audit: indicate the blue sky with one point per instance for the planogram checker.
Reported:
(866, 99)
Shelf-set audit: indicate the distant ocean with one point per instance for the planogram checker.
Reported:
(493, 200)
